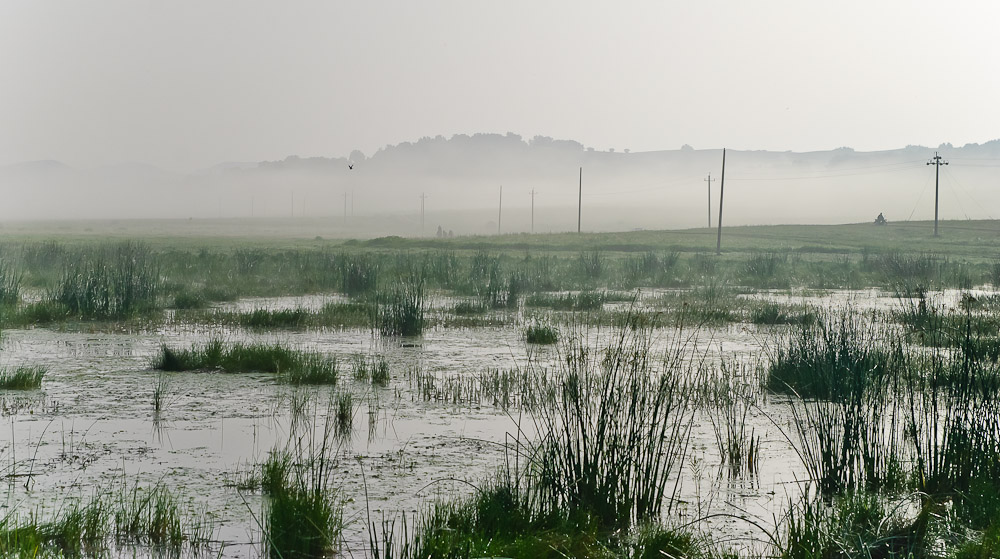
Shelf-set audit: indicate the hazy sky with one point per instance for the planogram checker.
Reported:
(186, 84)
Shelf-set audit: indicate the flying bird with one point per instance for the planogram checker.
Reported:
(350, 165)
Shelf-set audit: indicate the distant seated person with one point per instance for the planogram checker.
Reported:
(880, 220)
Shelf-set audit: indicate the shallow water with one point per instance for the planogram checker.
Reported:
(93, 421)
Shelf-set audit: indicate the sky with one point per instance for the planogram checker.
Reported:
(187, 84)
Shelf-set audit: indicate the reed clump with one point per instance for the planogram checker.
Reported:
(292, 366)
(110, 282)
(542, 334)
(400, 312)
(127, 516)
(22, 378)
(303, 517)
(834, 358)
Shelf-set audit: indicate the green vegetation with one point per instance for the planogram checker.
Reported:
(400, 312)
(126, 516)
(21, 378)
(541, 334)
(609, 447)
(374, 369)
(291, 366)
(894, 415)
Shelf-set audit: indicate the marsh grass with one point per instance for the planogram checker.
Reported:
(612, 436)
(22, 378)
(373, 369)
(111, 282)
(10, 284)
(188, 299)
(359, 274)
(739, 444)
(303, 516)
(853, 525)
(292, 366)
(268, 319)
(765, 269)
(400, 312)
(469, 308)
(769, 312)
(835, 358)
(542, 334)
(159, 393)
(616, 434)
(649, 269)
(582, 301)
(124, 516)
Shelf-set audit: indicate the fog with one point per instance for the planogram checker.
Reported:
(461, 179)
(249, 110)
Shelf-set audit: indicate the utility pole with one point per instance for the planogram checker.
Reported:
(722, 190)
(500, 210)
(937, 162)
(709, 181)
(532, 210)
(422, 198)
(579, 204)
(345, 209)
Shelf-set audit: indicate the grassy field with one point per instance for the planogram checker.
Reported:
(969, 239)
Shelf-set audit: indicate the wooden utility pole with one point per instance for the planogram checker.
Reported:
(709, 181)
(500, 210)
(532, 210)
(722, 189)
(937, 162)
(579, 204)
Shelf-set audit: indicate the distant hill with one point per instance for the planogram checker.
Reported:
(461, 178)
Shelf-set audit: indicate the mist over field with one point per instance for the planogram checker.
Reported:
(461, 177)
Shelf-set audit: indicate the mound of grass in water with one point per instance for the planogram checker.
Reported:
(22, 378)
(294, 367)
(303, 519)
(541, 334)
(190, 300)
(401, 311)
(267, 318)
(769, 312)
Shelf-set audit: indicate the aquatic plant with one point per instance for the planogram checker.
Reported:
(111, 282)
(615, 436)
(263, 319)
(292, 366)
(374, 369)
(732, 401)
(360, 274)
(303, 519)
(10, 284)
(541, 334)
(400, 312)
(833, 359)
(22, 378)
